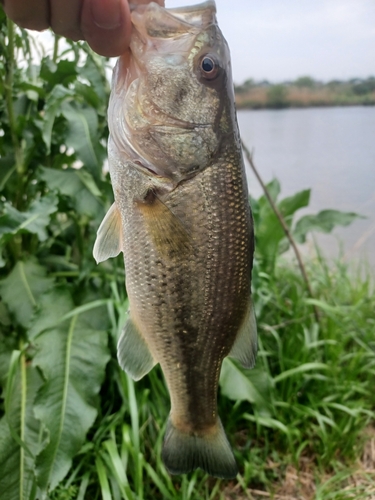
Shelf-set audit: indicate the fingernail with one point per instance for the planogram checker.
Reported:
(106, 13)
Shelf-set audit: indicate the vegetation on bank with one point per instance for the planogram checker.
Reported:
(73, 426)
(304, 92)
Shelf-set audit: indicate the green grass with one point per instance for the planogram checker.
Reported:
(320, 380)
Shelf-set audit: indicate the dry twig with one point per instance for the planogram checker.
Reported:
(283, 225)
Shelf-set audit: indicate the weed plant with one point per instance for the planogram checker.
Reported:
(72, 424)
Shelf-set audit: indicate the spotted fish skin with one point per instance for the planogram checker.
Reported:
(182, 219)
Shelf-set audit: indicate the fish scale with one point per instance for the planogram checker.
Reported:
(185, 228)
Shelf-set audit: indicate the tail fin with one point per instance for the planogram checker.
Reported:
(184, 453)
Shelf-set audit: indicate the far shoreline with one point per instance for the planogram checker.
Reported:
(305, 92)
(241, 107)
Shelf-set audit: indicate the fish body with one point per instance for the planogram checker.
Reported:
(181, 216)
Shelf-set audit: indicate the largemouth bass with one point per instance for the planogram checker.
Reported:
(182, 219)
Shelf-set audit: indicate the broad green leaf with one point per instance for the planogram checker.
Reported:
(4, 316)
(93, 313)
(34, 92)
(82, 132)
(94, 310)
(52, 108)
(274, 189)
(245, 385)
(325, 221)
(51, 316)
(88, 93)
(17, 478)
(20, 105)
(89, 182)
(62, 73)
(95, 75)
(289, 206)
(269, 233)
(8, 342)
(35, 220)
(7, 168)
(271, 238)
(79, 186)
(21, 289)
(72, 357)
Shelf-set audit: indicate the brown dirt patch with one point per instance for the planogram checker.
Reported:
(302, 484)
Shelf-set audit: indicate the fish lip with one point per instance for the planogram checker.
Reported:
(167, 183)
(177, 129)
(169, 121)
(165, 120)
(194, 17)
(192, 8)
(145, 167)
(189, 9)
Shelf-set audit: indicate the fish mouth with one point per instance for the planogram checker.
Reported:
(199, 15)
(161, 21)
(162, 183)
(168, 128)
(147, 168)
(164, 121)
(189, 9)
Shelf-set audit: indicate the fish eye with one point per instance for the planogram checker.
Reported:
(209, 67)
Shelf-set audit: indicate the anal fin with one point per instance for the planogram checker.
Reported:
(246, 344)
(108, 241)
(133, 353)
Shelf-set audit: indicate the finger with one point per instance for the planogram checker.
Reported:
(106, 26)
(31, 14)
(65, 18)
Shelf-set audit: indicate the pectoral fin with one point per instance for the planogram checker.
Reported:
(133, 354)
(246, 345)
(108, 241)
(166, 230)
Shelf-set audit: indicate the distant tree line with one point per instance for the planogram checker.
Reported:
(305, 91)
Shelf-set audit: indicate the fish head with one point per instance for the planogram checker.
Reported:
(171, 94)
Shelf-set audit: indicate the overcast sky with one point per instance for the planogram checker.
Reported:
(282, 40)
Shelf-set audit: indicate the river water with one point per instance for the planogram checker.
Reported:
(331, 151)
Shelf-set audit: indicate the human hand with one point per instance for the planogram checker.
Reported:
(104, 24)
